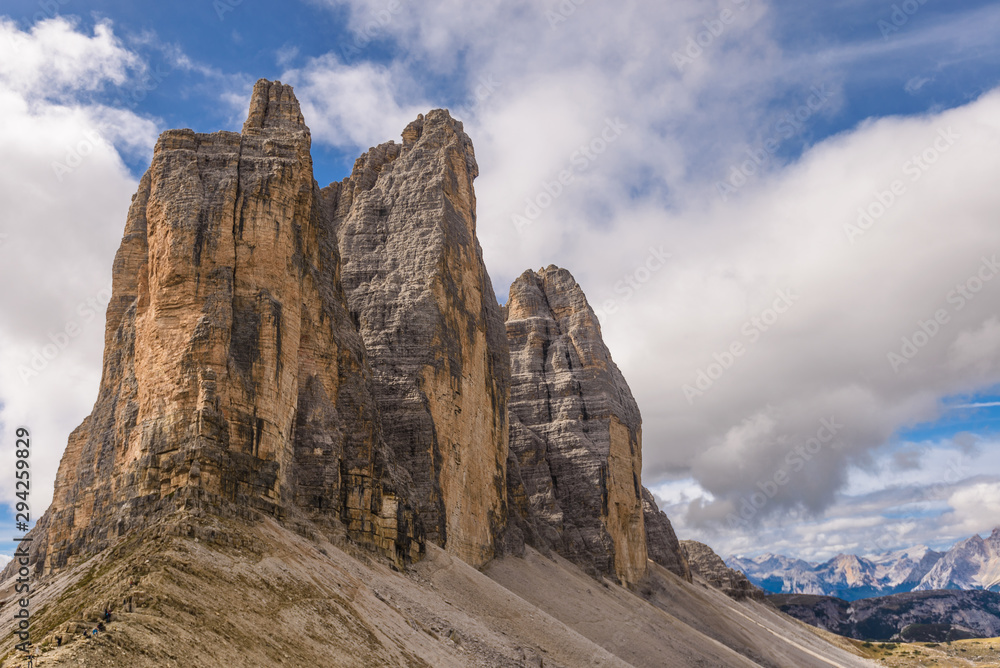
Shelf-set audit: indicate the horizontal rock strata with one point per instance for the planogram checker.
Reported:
(575, 430)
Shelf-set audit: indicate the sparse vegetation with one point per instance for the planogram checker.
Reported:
(956, 654)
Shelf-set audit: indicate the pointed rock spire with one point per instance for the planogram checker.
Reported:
(273, 106)
(575, 429)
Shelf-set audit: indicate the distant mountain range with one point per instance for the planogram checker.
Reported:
(919, 616)
(972, 564)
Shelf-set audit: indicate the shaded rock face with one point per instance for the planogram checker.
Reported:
(575, 433)
(705, 563)
(233, 374)
(418, 290)
(662, 545)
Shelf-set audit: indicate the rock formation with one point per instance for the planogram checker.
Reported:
(705, 563)
(233, 375)
(662, 545)
(973, 563)
(575, 430)
(339, 355)
(418, 290)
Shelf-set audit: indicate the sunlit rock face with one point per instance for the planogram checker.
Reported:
(234, 378)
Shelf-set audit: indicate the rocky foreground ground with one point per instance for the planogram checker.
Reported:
(209, 592)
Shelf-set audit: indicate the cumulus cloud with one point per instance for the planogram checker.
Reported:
(976, 508)
(66, 192)
(354, 106)
(54, 59)
(884, 508)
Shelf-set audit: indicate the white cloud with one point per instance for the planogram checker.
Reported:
(881, 508)
(976, 509)
(352, 105)
(55, 59)
(66, 192)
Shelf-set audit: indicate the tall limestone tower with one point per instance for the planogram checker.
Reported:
(234, 377)
(417, 287)
(576, 437)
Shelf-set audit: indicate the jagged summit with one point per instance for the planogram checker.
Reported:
(575, 430)
(234, 378)
(418, 289)
(273, 106)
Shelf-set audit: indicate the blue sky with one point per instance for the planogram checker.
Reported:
(846, 102)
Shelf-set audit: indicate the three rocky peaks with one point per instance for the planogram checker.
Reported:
(338, 356)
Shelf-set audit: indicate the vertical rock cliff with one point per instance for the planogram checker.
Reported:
(233, 375)
(662, 545)
(418, 290)
(575, 430)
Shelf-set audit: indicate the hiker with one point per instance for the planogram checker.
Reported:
(95, 632)
(107, 615)
(100, 626)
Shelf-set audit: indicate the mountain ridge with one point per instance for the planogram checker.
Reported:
(918, 616)
(970, 564)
